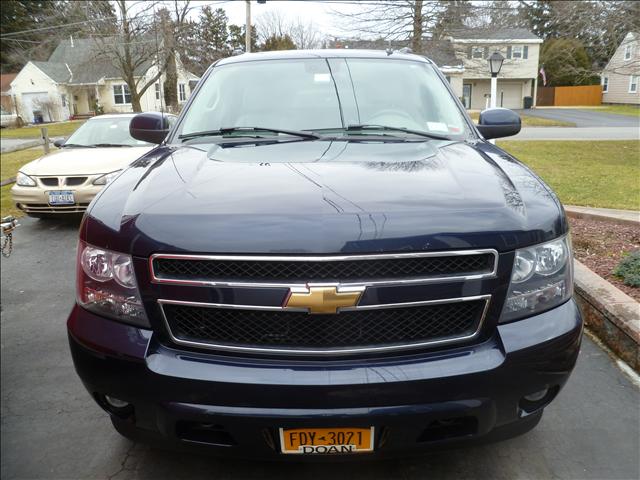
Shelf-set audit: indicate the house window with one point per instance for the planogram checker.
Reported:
(633, 83)
(182, 92)
(121, 94)
(157, 86)
(63, 99)
(516, 51)
(605, 84)
(448, 78)
(477, 52)
(627, 52)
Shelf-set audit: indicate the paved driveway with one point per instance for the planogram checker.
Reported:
(584, 117)
(52, 429)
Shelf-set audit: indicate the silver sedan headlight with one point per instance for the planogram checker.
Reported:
(106, 178)
(24, 180)
(542, 278)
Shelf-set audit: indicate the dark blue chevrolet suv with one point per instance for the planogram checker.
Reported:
(324, 256)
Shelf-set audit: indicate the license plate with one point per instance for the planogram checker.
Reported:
(326, 440)
(61, 197)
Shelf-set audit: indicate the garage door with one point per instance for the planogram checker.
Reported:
(35, 102)
(510, 95)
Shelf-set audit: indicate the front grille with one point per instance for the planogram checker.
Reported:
(355, 329)
(46, 208)
(74, 181)
(305, 270)
(49, 181)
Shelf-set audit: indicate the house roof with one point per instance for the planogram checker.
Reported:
(440, 51)
(81, 61)
(494, 34)
(5, 81)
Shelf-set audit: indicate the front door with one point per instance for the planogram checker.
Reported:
(466, 95)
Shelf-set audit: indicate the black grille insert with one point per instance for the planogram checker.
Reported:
(282, 270)
(348, 329)
(74, 181)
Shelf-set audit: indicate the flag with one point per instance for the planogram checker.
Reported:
(544, 76)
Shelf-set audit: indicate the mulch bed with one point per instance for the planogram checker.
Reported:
(600, 245)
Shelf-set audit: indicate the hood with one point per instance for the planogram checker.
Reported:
(84, 161)
(324, 197)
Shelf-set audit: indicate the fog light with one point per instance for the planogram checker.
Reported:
(534, 397)
(115, 402)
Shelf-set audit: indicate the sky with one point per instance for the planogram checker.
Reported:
(318, 12)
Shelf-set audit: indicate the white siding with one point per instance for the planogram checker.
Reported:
(30, 86)
(619, 71)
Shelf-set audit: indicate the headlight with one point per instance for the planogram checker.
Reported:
(106, 178)
(25, 180)
(542, 278)
(107, 285)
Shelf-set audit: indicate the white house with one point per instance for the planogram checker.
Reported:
(621, 77)
(76, 80)
(462, 57)
(519, 73)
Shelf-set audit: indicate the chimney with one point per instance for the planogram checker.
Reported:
(71, 40)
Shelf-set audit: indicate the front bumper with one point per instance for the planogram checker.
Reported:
(35, 200)
(417, 402)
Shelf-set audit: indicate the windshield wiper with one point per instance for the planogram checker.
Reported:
(230, 130)
(76, 145)
(111, 145)
(352, 128)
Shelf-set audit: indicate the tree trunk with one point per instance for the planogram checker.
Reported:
(171, 75)
(416, 40)
(135, 101)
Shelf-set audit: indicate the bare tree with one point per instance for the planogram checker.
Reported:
(276, 24)
(141, 43)
(394, 20)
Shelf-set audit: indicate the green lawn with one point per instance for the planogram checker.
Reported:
(621, 109)
(529, 121)
(9, 165)
(61, 129)
(590, 173)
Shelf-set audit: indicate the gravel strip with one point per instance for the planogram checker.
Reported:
(600, 245)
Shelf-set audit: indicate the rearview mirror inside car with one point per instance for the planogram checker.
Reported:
(150, 127)
(498, 122)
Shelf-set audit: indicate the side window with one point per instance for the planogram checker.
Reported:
(627, 52)
(157, 89)
(605, 84)
(182, 93)
(477, 52)
(633, 83)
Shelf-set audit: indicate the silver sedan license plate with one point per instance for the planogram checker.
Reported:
(61, 197)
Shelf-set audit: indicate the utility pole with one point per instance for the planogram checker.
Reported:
(247, 29)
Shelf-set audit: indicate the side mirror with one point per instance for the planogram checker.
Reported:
(59, 143)
(498, 122)
(151, 127)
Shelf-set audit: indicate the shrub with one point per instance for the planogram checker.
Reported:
(629, 269)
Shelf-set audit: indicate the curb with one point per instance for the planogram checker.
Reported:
(627, 217)
(7, 181)
(612, 315)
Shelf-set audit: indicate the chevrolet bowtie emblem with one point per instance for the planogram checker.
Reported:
(323, 299)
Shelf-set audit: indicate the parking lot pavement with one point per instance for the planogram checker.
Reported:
(52, 429)
(585, 117)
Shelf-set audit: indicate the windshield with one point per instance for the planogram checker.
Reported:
(325, 94)
(105, 131)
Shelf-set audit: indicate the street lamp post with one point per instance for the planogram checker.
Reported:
(495, 64)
